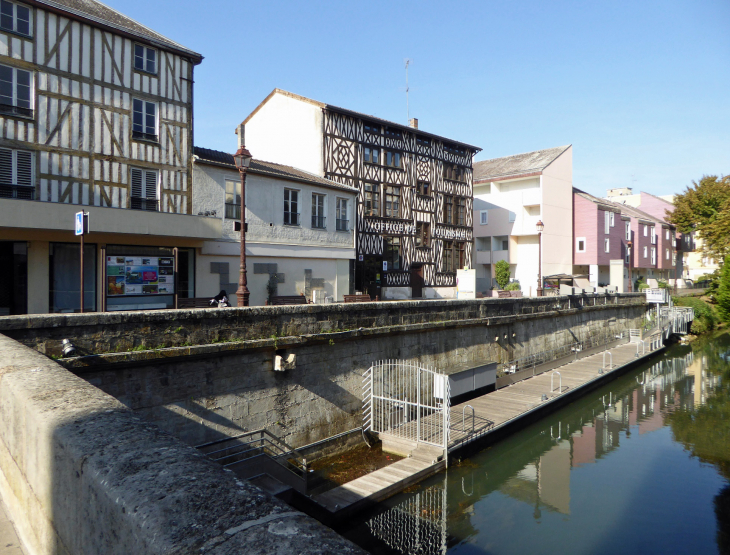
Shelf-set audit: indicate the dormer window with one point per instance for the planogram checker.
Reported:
(145, 59)
(14, 17)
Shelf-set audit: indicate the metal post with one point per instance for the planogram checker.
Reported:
(539, 264)
(418, 404)
(82, 269)
(176, 278)
(243, 292)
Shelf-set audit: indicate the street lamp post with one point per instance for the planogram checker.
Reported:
(540, 226)
(628, 249)
(242, 159)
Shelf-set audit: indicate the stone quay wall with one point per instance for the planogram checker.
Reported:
(82, 474)
(203, 392)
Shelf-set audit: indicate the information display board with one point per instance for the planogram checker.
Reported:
(140, 275)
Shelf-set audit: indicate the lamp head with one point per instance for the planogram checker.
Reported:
(540, 226)
(242, 158)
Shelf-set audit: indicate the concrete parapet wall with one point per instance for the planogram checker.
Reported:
(122, 331)
(82, 474)
(201, 393)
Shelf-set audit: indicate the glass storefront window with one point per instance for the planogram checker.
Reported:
(65, 277)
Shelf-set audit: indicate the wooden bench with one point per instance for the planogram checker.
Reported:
(288, 299)
(357, 299)
(195, 302)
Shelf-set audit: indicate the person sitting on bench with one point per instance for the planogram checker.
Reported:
(221, 299)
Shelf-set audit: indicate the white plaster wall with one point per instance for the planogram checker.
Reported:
(557, 215)
(525, 271)
(287, 131)
(438, 292)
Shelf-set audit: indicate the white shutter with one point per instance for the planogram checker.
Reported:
(151, 185)
(6, 166)
(136, 183)
(24, 168)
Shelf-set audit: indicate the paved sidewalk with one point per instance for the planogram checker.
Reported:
(9, 543)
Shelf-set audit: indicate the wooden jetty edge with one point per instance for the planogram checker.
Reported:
(485, 419)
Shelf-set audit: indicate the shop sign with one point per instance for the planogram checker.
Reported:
(140, 275)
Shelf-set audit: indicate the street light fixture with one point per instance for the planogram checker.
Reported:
(540, 226)
(242, 158)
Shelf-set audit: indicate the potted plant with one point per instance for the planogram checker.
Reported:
(501, 274)
(514, 289)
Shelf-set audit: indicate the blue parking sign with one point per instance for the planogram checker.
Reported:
(79, 223)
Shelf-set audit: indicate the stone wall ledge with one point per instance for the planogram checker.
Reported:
(81, 473)
(174, 354)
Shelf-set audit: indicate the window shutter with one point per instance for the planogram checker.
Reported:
(151, 184)
(25, 168)
(6, 166)
(136, 183)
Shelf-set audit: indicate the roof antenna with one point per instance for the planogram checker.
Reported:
(408, 108)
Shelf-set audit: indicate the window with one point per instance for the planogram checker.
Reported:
(606, 222)
(392, 133)
(423, 234)
(371, 128)
(511, 218)
(653, 255)
(612, 217)
(16, 174)
(460, 211)
(461, 254)
(144, 189)
(423, 188)
(15, 91)
(607, 245)
(423, 141)
(646, 250)
(392, 201)
(391, 252)
(14, 17)
(393, 159)
(453, 172)
(628, 255)
(448, 258)
(144, 120)
(449, 210)
(371, 154)
(580, 244)
(145, 58)
(483, 217)
(372, 199)
(318, 211)
(628, 231)
(453, 149)
(653, 236)
(342, 222)
(646, 230)
(233, 200)
(667, 235)
(505, 245)
(291, 207)
(667, 254)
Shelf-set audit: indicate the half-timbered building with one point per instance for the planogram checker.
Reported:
(414, 207)
(95, 111)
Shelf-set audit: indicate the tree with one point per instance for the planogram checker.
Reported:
(723, 291)
(501, 273)
(705, 208)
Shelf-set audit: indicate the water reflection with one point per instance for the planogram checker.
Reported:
(529, 474)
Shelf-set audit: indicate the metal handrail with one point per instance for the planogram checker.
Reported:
(610, 359)
(463, 426)
(643, 347)
(560, 383)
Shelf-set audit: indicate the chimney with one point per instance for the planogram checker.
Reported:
(413, 122)
(241, 132)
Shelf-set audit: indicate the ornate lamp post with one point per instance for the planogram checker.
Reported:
(540, 226)
(628, 249)
(243, 161)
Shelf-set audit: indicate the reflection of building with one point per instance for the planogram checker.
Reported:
(299, 229)
(96, 115)
(414, 207)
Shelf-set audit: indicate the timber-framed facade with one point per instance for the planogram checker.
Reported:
(106, 117)
(414, 209)
(414, 212)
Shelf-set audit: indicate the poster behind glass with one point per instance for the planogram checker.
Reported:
(140, 275)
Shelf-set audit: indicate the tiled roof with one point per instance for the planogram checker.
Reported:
(100, 13)
(517, 164)
(268, 168)
(361, 115)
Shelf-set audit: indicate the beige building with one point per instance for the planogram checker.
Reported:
(97, 118)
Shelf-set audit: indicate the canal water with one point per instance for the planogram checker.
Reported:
(639, 466)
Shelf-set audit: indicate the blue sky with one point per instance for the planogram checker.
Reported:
(640, 89)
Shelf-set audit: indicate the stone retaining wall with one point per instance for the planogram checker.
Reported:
(81, 474)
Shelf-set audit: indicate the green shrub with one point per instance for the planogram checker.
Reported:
(638, 282)
(663, 284)
(723, 291)
(706, 317)
(501, 273)
(514, 286)
(642, 286)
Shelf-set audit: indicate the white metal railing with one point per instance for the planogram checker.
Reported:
(407, 400)
(610, 360)
(463, 418)
(560, 383)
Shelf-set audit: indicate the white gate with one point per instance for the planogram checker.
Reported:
(407, 400)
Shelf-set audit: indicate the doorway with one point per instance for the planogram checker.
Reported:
(13, 278)
(417, 281)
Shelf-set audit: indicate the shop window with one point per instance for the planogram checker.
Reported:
(65, 277)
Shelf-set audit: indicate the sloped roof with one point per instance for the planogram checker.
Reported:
(517, 164)
(606, 204)
(361, 115)
(625, 209)
(99, 13)
(271, 169)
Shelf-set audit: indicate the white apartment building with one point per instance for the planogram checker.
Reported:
(511, 195)
(300, 233)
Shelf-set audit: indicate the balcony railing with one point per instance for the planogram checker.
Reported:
(343, 225)
(318, 222)
(144, 204)
(22, 192)
(16, 110)
(291, 218)
(151, 137)
(233, 211)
